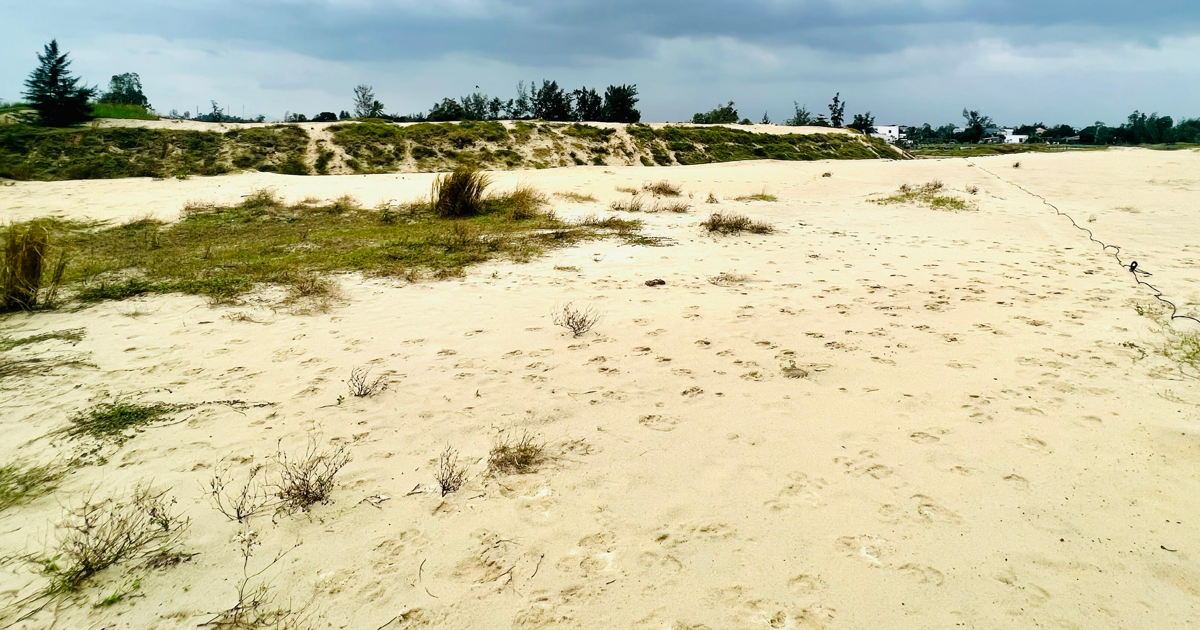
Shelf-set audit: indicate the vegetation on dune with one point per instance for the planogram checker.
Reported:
(20, 482)
(32, 153)
(928, 194)
(379, 146)
(117, 110)
(703, 145)
(976, 150)
(222, 252)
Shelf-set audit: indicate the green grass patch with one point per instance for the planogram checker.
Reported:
(704, 145)
(222, 252)
(379, 147)
(978, 150)
(20, 482)
(927, 194)
(118, 420)
(114, 110)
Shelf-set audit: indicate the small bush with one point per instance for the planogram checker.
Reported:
(460, 193)
(519, 456)
(308, 478)
(1016, 165)
(103, 533)
(577, 321)
(240, 504)
(362, 386)
(712, 199)
(927, 194)
(662, 189)
(25, 258)
(451, 475)
(732, 223)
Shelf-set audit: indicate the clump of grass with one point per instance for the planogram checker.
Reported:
(733, 223)
(20, 482)
(762, 196)
(362, 385)
(577, 321)
(927, 194)
(826, 174)
(102, 533)
(1016, 165)
(791, 370)
(972, 190)
(460, 193)
(115, 420)
(627, 189)
(1184, 348)
(662, 189)
(576, 197)
(678, 207)
(712, 199)
(519, 456)
(633, 204)
(25, 267)
(726, 278)
(523, 203)
(451, 475)
(308, 478)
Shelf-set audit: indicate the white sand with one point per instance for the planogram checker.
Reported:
(981, 441)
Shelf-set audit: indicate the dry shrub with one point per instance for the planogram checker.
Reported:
(628, 205)
(25, 254)
(519, 456)
(451, 475)
(255, 607)
(627, 189)
(1016, 165)
(459, 193)
(576, 197)
(576, 320)
(308, 478)
(362, 386)
(732, 223)
(712, 199)
(102, 533)
(662, 189)
(972, 190)
(240, 504)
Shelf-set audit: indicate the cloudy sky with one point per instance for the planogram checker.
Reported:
(907, 61)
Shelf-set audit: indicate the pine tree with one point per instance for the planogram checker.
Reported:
(54, 93)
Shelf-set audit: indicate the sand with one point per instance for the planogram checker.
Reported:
(983, 434)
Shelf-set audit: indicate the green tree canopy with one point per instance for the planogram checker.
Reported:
(125, 89)
(54, 93)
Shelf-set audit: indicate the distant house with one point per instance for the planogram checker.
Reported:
(1012, 137)
(888, 133)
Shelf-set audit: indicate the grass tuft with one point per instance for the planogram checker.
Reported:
(114, 420)
(520, 456)
(460, 193)
(733, 223)
(633, 204)
(762, 196)
(576, 197)
(21, 482)
(662, 189)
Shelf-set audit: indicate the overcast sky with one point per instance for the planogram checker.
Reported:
(907, 61)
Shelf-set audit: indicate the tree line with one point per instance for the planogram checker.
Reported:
(60, 99)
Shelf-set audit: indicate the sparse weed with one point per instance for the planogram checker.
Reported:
(577, 321)
(712, 199)
(972, 190)
(255, 608)
(241, 504)
(451, 475)
(519, 456)
(308, 478)
(733, 223)
(725, 279)
(678, 207)
(362, 386)
(71, 335)
(576, 197)
(20, 482)
(762, 196)
(628, 189)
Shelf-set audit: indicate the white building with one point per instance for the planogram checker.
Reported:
(1011, 137)
(889, 133)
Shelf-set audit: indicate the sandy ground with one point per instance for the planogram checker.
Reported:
(985, 438)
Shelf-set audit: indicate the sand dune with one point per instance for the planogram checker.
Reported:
(884, 415)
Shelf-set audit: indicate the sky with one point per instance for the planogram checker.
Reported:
(906, 61)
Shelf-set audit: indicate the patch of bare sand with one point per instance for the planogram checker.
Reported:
(899, 416)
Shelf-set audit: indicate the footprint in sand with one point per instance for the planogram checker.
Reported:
(866, 547)
(656, 422)
(923, 574)
(864, 465)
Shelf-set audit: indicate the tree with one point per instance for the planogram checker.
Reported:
(619, 104)
(125, 89)
(521, 107)
(448, 109)
(54, 94)
(722, 115)
(977, 124)
(801, 118)
(365, 104)
(864, 123)
(837, 111)
(550, 102)
(766, 119)
(344, 115)
(588, 104)
(325, 117)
